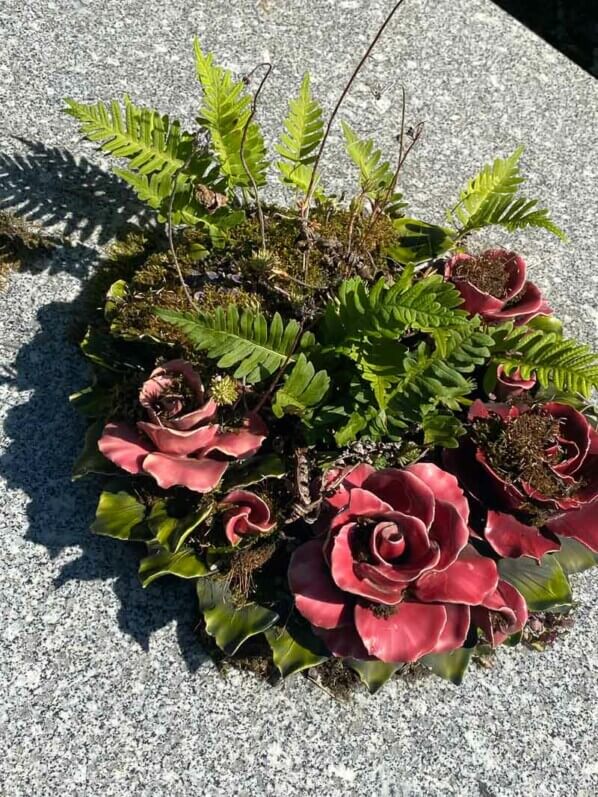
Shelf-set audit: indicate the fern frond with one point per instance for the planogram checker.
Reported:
(303, 131)
(224, 113)
(490, 198)
(498, 179)
(390, 311)
(303, 389)
(241, 340)
(555, 361)
(375, 174)
(435, 377)
(152, 143)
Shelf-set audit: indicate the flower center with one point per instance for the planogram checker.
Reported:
(373, 538)
(525, 449)
(176, 398)
(487, 274)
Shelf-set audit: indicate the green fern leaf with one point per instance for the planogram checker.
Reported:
(303, 131)
(390, 311)
(490, 198)
(225, 112)
(302, 391)
(375, 174)
(554, 360)
(152, 143)
(498, 179)
(241, 340)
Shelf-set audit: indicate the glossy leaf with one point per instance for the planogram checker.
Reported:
(229, 624)
(451, 665)
(374, 674)
(575, 557)
(120, 514)
(92, 402)
(543, 585)
(91, 459)
(184, 564)
(295, 648)
(270, 466)
(419, 241)
(173, 532)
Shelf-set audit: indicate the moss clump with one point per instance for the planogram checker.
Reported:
(525, 449)
(19, 240)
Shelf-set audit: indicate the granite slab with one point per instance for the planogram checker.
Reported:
(105, 690)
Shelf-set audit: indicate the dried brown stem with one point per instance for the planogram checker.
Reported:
(252, 113)
(345, 91)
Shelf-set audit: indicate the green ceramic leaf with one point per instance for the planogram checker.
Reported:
(575, 557)
(419, 241)
(373, 674)
(451, 665)
(93, 402)
(120, 514)
(543, 585)
(295, 648)
(547, 323)
(173, 532)
(91, 459)
(270, 466)
(230, 625)
(184, 564)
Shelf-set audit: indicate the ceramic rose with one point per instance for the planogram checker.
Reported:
(181, 442)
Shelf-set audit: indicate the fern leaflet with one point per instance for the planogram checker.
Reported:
(554, 360)
(490, 198)
(241, 340)
(225, 112)
(302, 391)
(303, 130)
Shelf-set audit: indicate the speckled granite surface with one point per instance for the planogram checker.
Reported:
(104, 689)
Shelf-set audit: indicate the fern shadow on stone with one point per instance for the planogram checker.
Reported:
(51, 186)
(59, 512)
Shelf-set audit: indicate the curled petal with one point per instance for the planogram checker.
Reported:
(195, 417)
(354, 477)
(317, 598)
(574, 429)
(444, 485)
(344, 641)
(200, 475)
(249, 514)
(579, 524)
(409, 632)
(511, 538)
(468, 580)
(404, 491)
(503, 613)
(179, 444)
(450, 532)
(511, 386)
(121, 444)
(241, 442)
(345, 572)
(454, 633)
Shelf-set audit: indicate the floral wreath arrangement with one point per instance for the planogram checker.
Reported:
(364, 442)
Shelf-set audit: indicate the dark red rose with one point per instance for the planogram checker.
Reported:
(249, 515)
(511, 386)
(536, 470)
(395, 577)
(494, 286)
(501, 614)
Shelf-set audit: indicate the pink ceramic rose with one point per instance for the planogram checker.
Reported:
(395, 577)
(181, 441)
(494, 285)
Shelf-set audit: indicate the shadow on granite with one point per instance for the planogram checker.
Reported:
(45, 433)
(50, 186)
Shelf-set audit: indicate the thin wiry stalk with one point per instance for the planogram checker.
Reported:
(186, 290)
(345, 91)
(256, 195)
